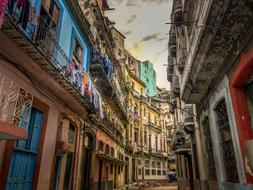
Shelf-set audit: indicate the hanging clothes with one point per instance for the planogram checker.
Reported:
(33, 16)
(3, 6)
(20, 3)
(24, 16)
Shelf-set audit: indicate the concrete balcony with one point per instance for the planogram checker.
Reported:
(66, 138)
(188, 119)
(173, 99)
(182, 56)
(101, 70)
(40, 49)
(169, 123)
(15, 109)
(154, 126)
(176, 85)
(210, 51)
(180, 142)
(178, 13)
(170, 68)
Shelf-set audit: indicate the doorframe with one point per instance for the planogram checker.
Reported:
(238, 80)
(41, 106)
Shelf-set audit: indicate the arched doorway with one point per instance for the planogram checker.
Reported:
(89, 147)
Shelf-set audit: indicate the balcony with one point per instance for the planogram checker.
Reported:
(101, 70)
(66, 139)
(41, 45)
(136, 116)
(173, 99)
(180, 142)
(182, 56)
(169, 123)
(143, 98)
(176, 85)
(188, 119)
(135, 93)
(170, 68)
(15, 109)
(213, 53)
(154, 126)
(178, 13)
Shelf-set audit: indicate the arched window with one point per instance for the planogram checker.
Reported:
(101, 146)
(107, 149)
(226, 142)
(112, 152)
(72, 134)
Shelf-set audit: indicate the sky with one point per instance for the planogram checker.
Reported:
(143, 24)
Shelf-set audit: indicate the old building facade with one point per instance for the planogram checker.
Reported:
(208, 67)
(74, 112)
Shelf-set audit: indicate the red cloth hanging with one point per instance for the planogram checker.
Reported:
(3, 6)
(20, 3)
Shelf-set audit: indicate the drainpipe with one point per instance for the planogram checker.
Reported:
(199, 147)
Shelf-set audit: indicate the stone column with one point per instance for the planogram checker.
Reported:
(183, 167)
(199, 146)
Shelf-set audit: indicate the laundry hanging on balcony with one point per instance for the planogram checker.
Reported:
(3, 6)
(96, 99)
(33, 16)
(24, 15)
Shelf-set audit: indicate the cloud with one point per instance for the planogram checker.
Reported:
(127, 32)
(150, 37)
(161, 39)
(131, 3)
(155, 1)
(131, 19)
(116, 2)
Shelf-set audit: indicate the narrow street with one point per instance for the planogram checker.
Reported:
(126, 94)
(163, 188)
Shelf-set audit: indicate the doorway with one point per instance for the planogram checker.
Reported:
(23, 161)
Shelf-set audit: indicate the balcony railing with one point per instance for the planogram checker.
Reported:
(176, 86)
(40, 43)
(188, 119)
(178, 13)
(112, 129)
(182, 55)
(155, 126)
(15, 106)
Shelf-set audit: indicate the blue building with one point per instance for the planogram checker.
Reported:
(148, 76)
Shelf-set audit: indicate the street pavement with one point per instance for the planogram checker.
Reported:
(163, 188)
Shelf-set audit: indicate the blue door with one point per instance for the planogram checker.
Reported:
(23, 161)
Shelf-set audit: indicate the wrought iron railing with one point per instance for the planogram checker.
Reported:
(15, 103)
(43, 38)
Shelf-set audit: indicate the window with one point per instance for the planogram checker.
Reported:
(149, 139)
(209, 150)
(153, 164)
(147, 162)
(77, 52)
(144, 112)
(101, 146)
(226, 142)
(139, 171)
(111, 169)
(147, 171)
(159, 172)
(164, 172)
(158, 164)
(107, 149)
(136, 133)
(145, 137)
(153, 172)
(156, 143)
(72, 134)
